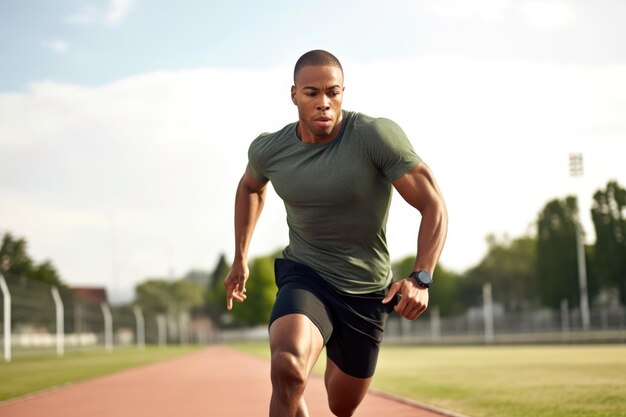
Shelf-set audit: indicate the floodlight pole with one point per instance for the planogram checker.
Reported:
(576, 170)
(488, 313)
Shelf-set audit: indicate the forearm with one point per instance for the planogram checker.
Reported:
(431, 236)
(419, 188)
(248, 207)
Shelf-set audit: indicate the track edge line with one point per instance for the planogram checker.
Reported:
(414, 403)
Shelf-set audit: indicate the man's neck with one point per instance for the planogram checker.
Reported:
(319, 140)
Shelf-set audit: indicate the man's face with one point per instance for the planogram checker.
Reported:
(318, 93)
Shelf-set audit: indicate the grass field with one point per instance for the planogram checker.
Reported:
(29, 374)
(478, 381)
(504, 381)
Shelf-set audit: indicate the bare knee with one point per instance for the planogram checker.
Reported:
(288, 373)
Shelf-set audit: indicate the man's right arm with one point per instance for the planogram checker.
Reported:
(248, 206)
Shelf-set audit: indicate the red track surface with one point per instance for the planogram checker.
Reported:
(214, 382)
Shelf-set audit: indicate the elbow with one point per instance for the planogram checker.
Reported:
(442, 212)
(437, 213)
(441, 218)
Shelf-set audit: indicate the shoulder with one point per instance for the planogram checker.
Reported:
(260, 141)
(267, 141)
(378, 126)
(386, 144)
(378, 131)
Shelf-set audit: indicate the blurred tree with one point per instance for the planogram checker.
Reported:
(154, 296)
(443, 291)
(16, 263)
(32, 302)
(260, 289)
(198, 276)
(46, 273)
(557, 265)
(14, 259)
(162, 296)
(188, 296)
(261, 292)
(609, 218)
(216, 295)
(219, 273)
(509, 266)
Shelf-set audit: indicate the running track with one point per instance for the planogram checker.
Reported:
(216, 382)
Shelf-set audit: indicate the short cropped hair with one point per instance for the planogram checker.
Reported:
(316, 57)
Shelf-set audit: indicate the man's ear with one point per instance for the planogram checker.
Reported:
(293, 95)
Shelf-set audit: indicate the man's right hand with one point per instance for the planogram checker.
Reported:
(235, 283)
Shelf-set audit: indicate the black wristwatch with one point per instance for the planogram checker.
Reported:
(422, 277)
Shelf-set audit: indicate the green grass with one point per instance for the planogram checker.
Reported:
(29, 374)
(504, 381)
(479, 381)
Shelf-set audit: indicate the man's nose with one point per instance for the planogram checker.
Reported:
(324, 104)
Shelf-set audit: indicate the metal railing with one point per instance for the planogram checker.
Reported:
(484, 325)
(38, 318)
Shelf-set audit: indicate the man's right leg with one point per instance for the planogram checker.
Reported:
(295, 343)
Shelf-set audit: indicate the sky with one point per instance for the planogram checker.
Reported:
(124, 124)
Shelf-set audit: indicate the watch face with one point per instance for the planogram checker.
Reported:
(422, 277)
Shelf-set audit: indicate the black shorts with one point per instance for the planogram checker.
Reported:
(352, 325)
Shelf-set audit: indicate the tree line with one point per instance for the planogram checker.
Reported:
(537, 270)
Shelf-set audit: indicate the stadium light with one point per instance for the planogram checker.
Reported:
(576, 171)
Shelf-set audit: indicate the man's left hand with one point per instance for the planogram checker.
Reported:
(413, 299)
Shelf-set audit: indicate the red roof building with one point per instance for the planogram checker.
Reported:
(93, 295)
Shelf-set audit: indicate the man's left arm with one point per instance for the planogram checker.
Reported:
(419, 188)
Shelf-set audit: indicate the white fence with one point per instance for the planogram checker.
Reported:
(490, 324)
(37, 318)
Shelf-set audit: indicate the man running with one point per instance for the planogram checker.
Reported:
(334, 171)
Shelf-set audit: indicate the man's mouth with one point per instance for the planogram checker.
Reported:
(323, 121)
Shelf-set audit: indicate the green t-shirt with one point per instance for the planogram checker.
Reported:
(337, 196)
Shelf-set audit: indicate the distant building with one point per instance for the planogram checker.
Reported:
(91, 295)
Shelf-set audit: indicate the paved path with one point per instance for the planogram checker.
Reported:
(216, 381)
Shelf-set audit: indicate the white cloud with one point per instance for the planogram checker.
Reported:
(118, 10)
(137, 177)
(548, 14)
(56, 45)
(160, 154)
(544, 14)
(86, 15)
(461, 9)
(113, 13)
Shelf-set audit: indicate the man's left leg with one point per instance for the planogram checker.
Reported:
(352, 350)
(345, 392)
